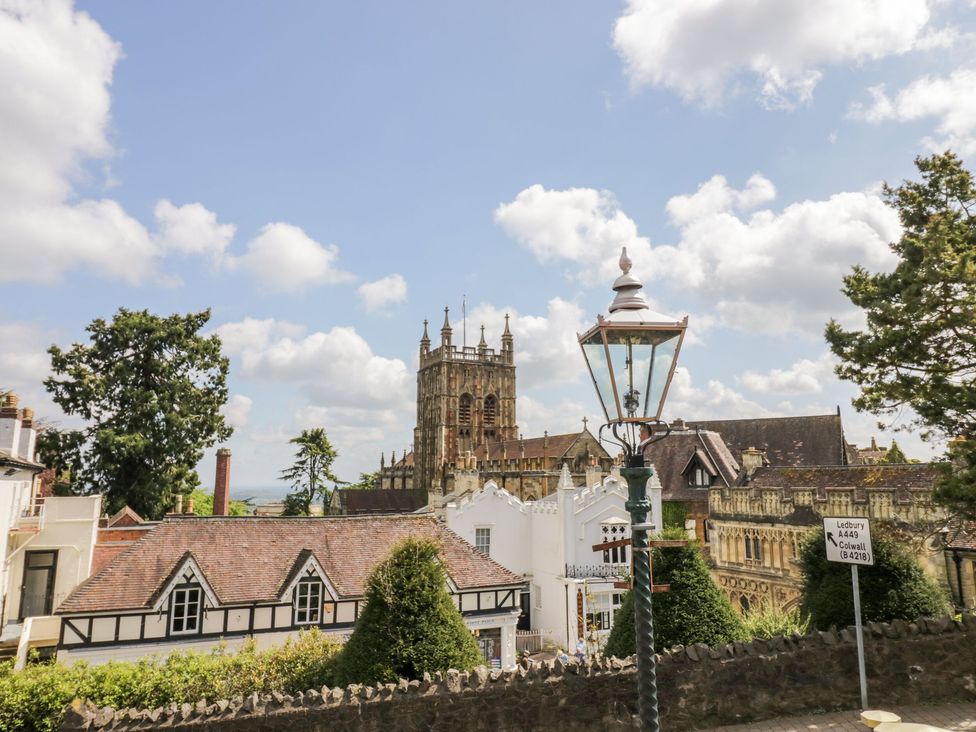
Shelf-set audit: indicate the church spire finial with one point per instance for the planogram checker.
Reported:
(447, 322)
(425, 338)
(507, 339)
(446, 332)
(483, 343)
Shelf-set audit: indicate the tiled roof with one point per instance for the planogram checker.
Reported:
(816, 440)
(920, 476)
(246, 559)
(670, 457)
(8, 458)
(354, 502)
(962, 535)
(554, 446)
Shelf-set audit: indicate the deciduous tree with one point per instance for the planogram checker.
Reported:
(150, 389)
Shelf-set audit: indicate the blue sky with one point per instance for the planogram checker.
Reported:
(324, 176)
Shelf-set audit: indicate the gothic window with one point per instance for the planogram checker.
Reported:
(756, 550)
(308, 601)
(184, 610)
(491, 409)
(613, 531)
(464, 410)
(744, 604)
(748, 543)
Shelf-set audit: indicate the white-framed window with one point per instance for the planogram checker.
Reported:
(613, 531)
(482, 540)
(698, 477)
(186, 602)
(308, 602)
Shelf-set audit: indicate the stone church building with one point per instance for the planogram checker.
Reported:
(467, 431)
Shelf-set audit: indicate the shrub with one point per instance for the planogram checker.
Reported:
(409, 624)
(768, 623)
(895, 587)
(693, 611)
(34, 699)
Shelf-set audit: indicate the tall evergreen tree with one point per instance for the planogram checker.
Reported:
(409, 625)
(694, 610)
(150, 389)
(310, 471)
(894, 587)
(918, 348)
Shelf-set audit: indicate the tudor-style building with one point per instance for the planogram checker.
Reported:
(195, 582)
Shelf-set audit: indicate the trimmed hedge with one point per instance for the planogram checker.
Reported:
(409, 625)
(693, 611)
(35, 698)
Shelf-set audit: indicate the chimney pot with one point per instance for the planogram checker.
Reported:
(221, 497)
(752, 460)
(678, 424)
(178, 504)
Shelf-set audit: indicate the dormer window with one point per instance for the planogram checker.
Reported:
(308, 601)
(698, 477)
(184, 610)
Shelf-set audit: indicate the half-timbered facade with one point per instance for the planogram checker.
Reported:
(196, 582)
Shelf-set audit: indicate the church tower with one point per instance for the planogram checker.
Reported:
(465, 399)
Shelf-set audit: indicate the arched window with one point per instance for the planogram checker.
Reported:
(756, 550)
(744, 604)
(491, 409)
(464, 409)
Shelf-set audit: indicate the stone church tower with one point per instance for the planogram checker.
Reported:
(465, 399)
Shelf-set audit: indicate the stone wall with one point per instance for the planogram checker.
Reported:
(929, 661)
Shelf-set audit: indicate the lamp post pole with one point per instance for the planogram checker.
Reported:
(639, 506)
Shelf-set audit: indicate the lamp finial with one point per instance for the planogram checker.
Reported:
(625, 263)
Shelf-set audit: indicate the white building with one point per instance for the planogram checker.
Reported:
(47, 543)
(573, 590)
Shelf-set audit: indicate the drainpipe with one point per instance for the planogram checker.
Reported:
(958, 560)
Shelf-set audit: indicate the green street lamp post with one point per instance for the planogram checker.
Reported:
(631, 355)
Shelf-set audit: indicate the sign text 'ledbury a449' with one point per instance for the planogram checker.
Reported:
(848, 540)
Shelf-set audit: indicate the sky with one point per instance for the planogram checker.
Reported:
(324, 176)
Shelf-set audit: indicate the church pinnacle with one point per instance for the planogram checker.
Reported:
(424, 341)
(446, 331)
(506, 336)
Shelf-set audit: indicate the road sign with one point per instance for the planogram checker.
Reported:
(848, 540)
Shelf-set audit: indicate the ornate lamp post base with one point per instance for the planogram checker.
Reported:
(639, 507)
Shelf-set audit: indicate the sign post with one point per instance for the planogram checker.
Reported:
(848, 541)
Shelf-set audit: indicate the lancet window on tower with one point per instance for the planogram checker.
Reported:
(464, 409)
(491, 409)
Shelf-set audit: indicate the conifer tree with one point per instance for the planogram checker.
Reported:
(409, 625)
(694, 610)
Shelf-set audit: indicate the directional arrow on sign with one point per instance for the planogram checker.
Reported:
(830, 538)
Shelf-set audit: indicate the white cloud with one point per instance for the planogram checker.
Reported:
(352, 428)
(700, 48)
(236, 410)
(546, 348)
(583, 226)
(951, 100)
(191, 229)
(563, 417)
(283, 258)
(390, 290)
(57, 65)
(715, 401)
(774, 272)
(337, 367)
(803, 377)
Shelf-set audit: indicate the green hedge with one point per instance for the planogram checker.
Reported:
(35, 698)
(674, 514)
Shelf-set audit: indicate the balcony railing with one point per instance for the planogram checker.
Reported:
(598, 571)
(31, 517)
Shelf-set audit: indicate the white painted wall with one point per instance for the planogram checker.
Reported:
(538, 539)
(15, 496)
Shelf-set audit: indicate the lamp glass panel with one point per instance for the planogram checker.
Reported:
(596, 358)
(657, 378)
(630, 356)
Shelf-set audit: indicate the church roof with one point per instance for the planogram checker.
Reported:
(916, 476)
(962, 535)
(247, 559)
(554, 446)
(354, 502)
(793, 441)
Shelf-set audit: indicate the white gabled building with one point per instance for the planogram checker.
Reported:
(571, 590)
(46, 544)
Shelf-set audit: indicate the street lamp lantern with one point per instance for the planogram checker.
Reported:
(631, 355)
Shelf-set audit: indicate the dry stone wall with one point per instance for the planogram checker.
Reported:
(928, 661)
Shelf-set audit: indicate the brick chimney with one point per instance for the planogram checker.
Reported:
(221, 498)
